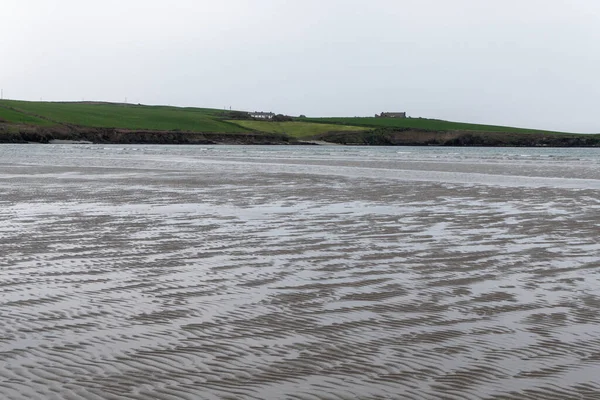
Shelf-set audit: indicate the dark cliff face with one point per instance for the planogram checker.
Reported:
(412, 137)
(25, 133)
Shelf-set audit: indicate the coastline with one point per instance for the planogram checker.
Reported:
(11, 133)
(63, 134)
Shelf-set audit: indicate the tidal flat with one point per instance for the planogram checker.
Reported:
(224, 272)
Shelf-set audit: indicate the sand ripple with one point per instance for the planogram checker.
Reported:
(178, 283)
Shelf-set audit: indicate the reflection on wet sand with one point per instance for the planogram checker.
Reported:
(231, 280)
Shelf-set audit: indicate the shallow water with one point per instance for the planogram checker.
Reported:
(174, 272)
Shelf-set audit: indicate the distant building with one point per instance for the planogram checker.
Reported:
(391, 115)
(262, 115)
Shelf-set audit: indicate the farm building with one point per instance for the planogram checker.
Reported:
(392, 115)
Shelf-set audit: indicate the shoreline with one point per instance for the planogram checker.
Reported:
(11, 133)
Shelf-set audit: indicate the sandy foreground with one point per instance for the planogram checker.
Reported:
(156, 276)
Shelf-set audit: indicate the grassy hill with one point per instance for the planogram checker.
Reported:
(158, 118)
(166, 118)
(113, 115)
(23, 121)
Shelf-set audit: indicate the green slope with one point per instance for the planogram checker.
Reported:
(15, 117)
(297, 129)
(419, 124)
(111, 115)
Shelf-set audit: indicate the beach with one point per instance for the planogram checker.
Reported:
(208, 272)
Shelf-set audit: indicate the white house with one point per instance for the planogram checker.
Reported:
(262, 115)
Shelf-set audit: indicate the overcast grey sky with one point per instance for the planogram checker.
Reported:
(530, 63)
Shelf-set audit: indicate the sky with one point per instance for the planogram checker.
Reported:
(526, 63)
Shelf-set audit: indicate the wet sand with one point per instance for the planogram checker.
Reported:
(137, 277)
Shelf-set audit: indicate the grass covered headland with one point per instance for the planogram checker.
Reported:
(99, 122)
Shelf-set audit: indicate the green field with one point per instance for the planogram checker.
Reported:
(419, 123)
(15, 117)
(297, 129)
(111, 115)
